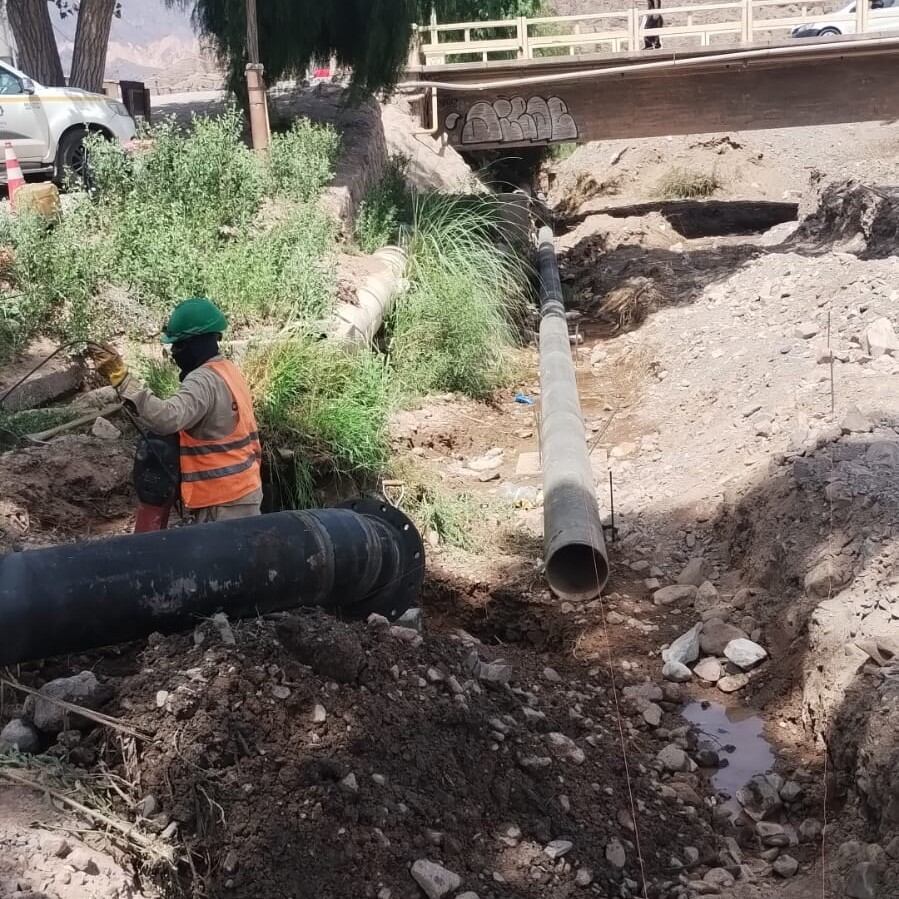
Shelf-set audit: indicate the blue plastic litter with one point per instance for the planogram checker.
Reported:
(524, 399)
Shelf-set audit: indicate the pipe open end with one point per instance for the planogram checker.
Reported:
(577, 571)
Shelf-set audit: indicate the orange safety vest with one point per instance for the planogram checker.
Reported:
(214, 472)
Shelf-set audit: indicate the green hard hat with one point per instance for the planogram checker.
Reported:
(192, 317)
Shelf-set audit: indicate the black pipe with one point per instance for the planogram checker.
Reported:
(577, 566)
(364, 557)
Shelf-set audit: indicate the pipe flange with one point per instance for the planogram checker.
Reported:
(403, 592)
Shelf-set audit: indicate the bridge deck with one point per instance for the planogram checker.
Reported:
(533, 102)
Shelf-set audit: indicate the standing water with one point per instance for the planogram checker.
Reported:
(737, 735)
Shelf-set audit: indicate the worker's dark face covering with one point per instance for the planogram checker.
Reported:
(190, 354)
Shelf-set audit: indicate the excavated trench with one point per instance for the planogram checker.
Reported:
(693, 219)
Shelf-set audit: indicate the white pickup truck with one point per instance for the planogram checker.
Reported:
(47, 125)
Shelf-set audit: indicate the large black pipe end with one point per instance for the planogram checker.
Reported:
(363, 558)
(577, 571)
(403, 555)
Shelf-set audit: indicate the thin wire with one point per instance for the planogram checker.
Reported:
(829, 596)
(618, 715)
(627, 771)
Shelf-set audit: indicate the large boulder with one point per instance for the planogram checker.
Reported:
(81, 689)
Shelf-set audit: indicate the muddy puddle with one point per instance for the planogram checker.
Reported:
(738, 736)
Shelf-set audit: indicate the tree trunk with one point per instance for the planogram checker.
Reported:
(91, 44)
(38, 56)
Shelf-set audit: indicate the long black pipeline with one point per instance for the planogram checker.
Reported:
(577, 565)
(364, 557)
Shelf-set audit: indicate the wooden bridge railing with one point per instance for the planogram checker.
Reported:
(733, 22)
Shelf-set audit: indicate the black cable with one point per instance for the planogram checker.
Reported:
(41, 364)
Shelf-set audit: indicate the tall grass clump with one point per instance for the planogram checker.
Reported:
(686, 184)
(385, 209)
(160, 375)
(455, 327)
(319, 403)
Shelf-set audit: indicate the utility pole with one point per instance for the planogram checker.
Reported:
(259, 124)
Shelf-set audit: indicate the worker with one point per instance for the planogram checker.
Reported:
(652, 42)
(212, 413)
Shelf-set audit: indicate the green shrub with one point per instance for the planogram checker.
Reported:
(301, 160)
(60, 267)
(285, 274)
(454, 328)
(158, 255)
(385, 209)
(206, 175)
(686, 184)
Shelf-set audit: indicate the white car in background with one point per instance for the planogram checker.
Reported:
(47, 125)
(883, 22)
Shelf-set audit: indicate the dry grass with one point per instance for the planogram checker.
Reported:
(627, 306)
(586, 187)
(687, 184)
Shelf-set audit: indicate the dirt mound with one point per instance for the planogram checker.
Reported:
(74, 486)
(314, 758)
(856, 218)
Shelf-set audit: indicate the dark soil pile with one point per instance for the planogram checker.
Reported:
(76, 486)
(863, 219)
(312, 758)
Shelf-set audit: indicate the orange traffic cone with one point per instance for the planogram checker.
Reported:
(14, 177)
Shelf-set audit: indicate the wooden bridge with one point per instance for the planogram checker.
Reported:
(721, 66)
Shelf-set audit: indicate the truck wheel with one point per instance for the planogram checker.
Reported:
(71, 156)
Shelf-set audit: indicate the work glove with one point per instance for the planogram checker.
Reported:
(108, 363)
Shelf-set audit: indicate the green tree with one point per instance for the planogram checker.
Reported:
(369, 36)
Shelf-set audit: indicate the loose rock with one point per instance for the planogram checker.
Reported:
(676, 672)
(744, 653)
(880, 339)
(435, 880)
(733, 682)
(685, 648)
(20, 735)
(81, 689)
(719, 877)
(694, 572)
(615, 854)
(105, 430)
(673, 758)
(565, 748)
(864, 881)
(81, 860)
(786, 865)
(772, 834)
(675, 593)
(810, 829)
(716, 634)
(854, 422)
(652, 715)
(708, 670)
(558, 848)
